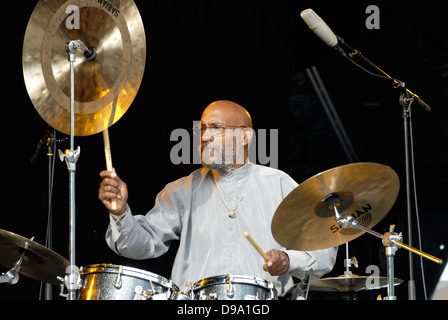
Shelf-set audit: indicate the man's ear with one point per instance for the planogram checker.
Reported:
(248, 135)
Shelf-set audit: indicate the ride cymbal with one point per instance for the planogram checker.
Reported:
(305, 221)
(104, 87)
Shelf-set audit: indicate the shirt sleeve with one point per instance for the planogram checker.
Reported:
(149, 236)
(321, 261)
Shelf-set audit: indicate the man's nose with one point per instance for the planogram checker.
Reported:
(206, 136)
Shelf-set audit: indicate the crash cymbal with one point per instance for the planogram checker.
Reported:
(367, 191)
(351, 283)
(104, 87)
(39, 262)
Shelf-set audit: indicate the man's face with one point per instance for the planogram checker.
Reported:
(221, 147)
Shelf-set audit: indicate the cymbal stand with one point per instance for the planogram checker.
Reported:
(392, 241)
(301, 289)
(12, 275)
(348, 263)
(71, 157)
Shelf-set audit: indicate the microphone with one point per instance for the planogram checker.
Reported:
(42, 142)
(48, 140)
(322, 30)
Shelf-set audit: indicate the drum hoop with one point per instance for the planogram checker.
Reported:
(127, 271)
(236, 279)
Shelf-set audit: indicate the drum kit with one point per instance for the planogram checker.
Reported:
(87, 95)
(329, 209)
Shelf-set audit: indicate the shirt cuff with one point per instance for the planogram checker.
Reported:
(117, 218)
(114, 224)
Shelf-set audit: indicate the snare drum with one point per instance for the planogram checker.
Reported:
(234, 287)
(115, 282)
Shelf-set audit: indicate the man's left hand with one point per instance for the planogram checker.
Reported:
(278, 263)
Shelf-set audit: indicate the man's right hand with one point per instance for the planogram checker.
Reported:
(112, 187)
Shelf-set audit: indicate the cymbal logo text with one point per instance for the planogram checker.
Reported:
(109, 7)
(363, 217)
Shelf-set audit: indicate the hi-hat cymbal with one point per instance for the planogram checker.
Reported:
(104, 87)
(367, 191)
(351, 283)
(39, 262)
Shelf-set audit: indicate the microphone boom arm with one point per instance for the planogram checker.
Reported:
(398, 84)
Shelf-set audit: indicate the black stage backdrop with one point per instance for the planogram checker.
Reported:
(254, 53)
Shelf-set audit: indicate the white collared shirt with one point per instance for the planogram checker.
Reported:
(192, 210)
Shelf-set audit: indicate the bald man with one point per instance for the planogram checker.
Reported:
(209, 211)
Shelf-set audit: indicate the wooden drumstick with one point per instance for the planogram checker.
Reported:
(109, 165)
(256, 246)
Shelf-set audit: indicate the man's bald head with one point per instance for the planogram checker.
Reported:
(228, 113)
(228, 150)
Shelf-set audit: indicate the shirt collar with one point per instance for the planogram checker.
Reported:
(233, 175)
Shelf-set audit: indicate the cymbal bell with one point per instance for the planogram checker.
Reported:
(39, 262)
(305, 221)
(351, 283)
(104, 87)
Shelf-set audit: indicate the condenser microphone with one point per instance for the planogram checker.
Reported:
(321, 29)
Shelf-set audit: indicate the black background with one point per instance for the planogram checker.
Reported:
(254, 53)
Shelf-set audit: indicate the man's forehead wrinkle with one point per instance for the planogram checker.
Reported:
(212, 122)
